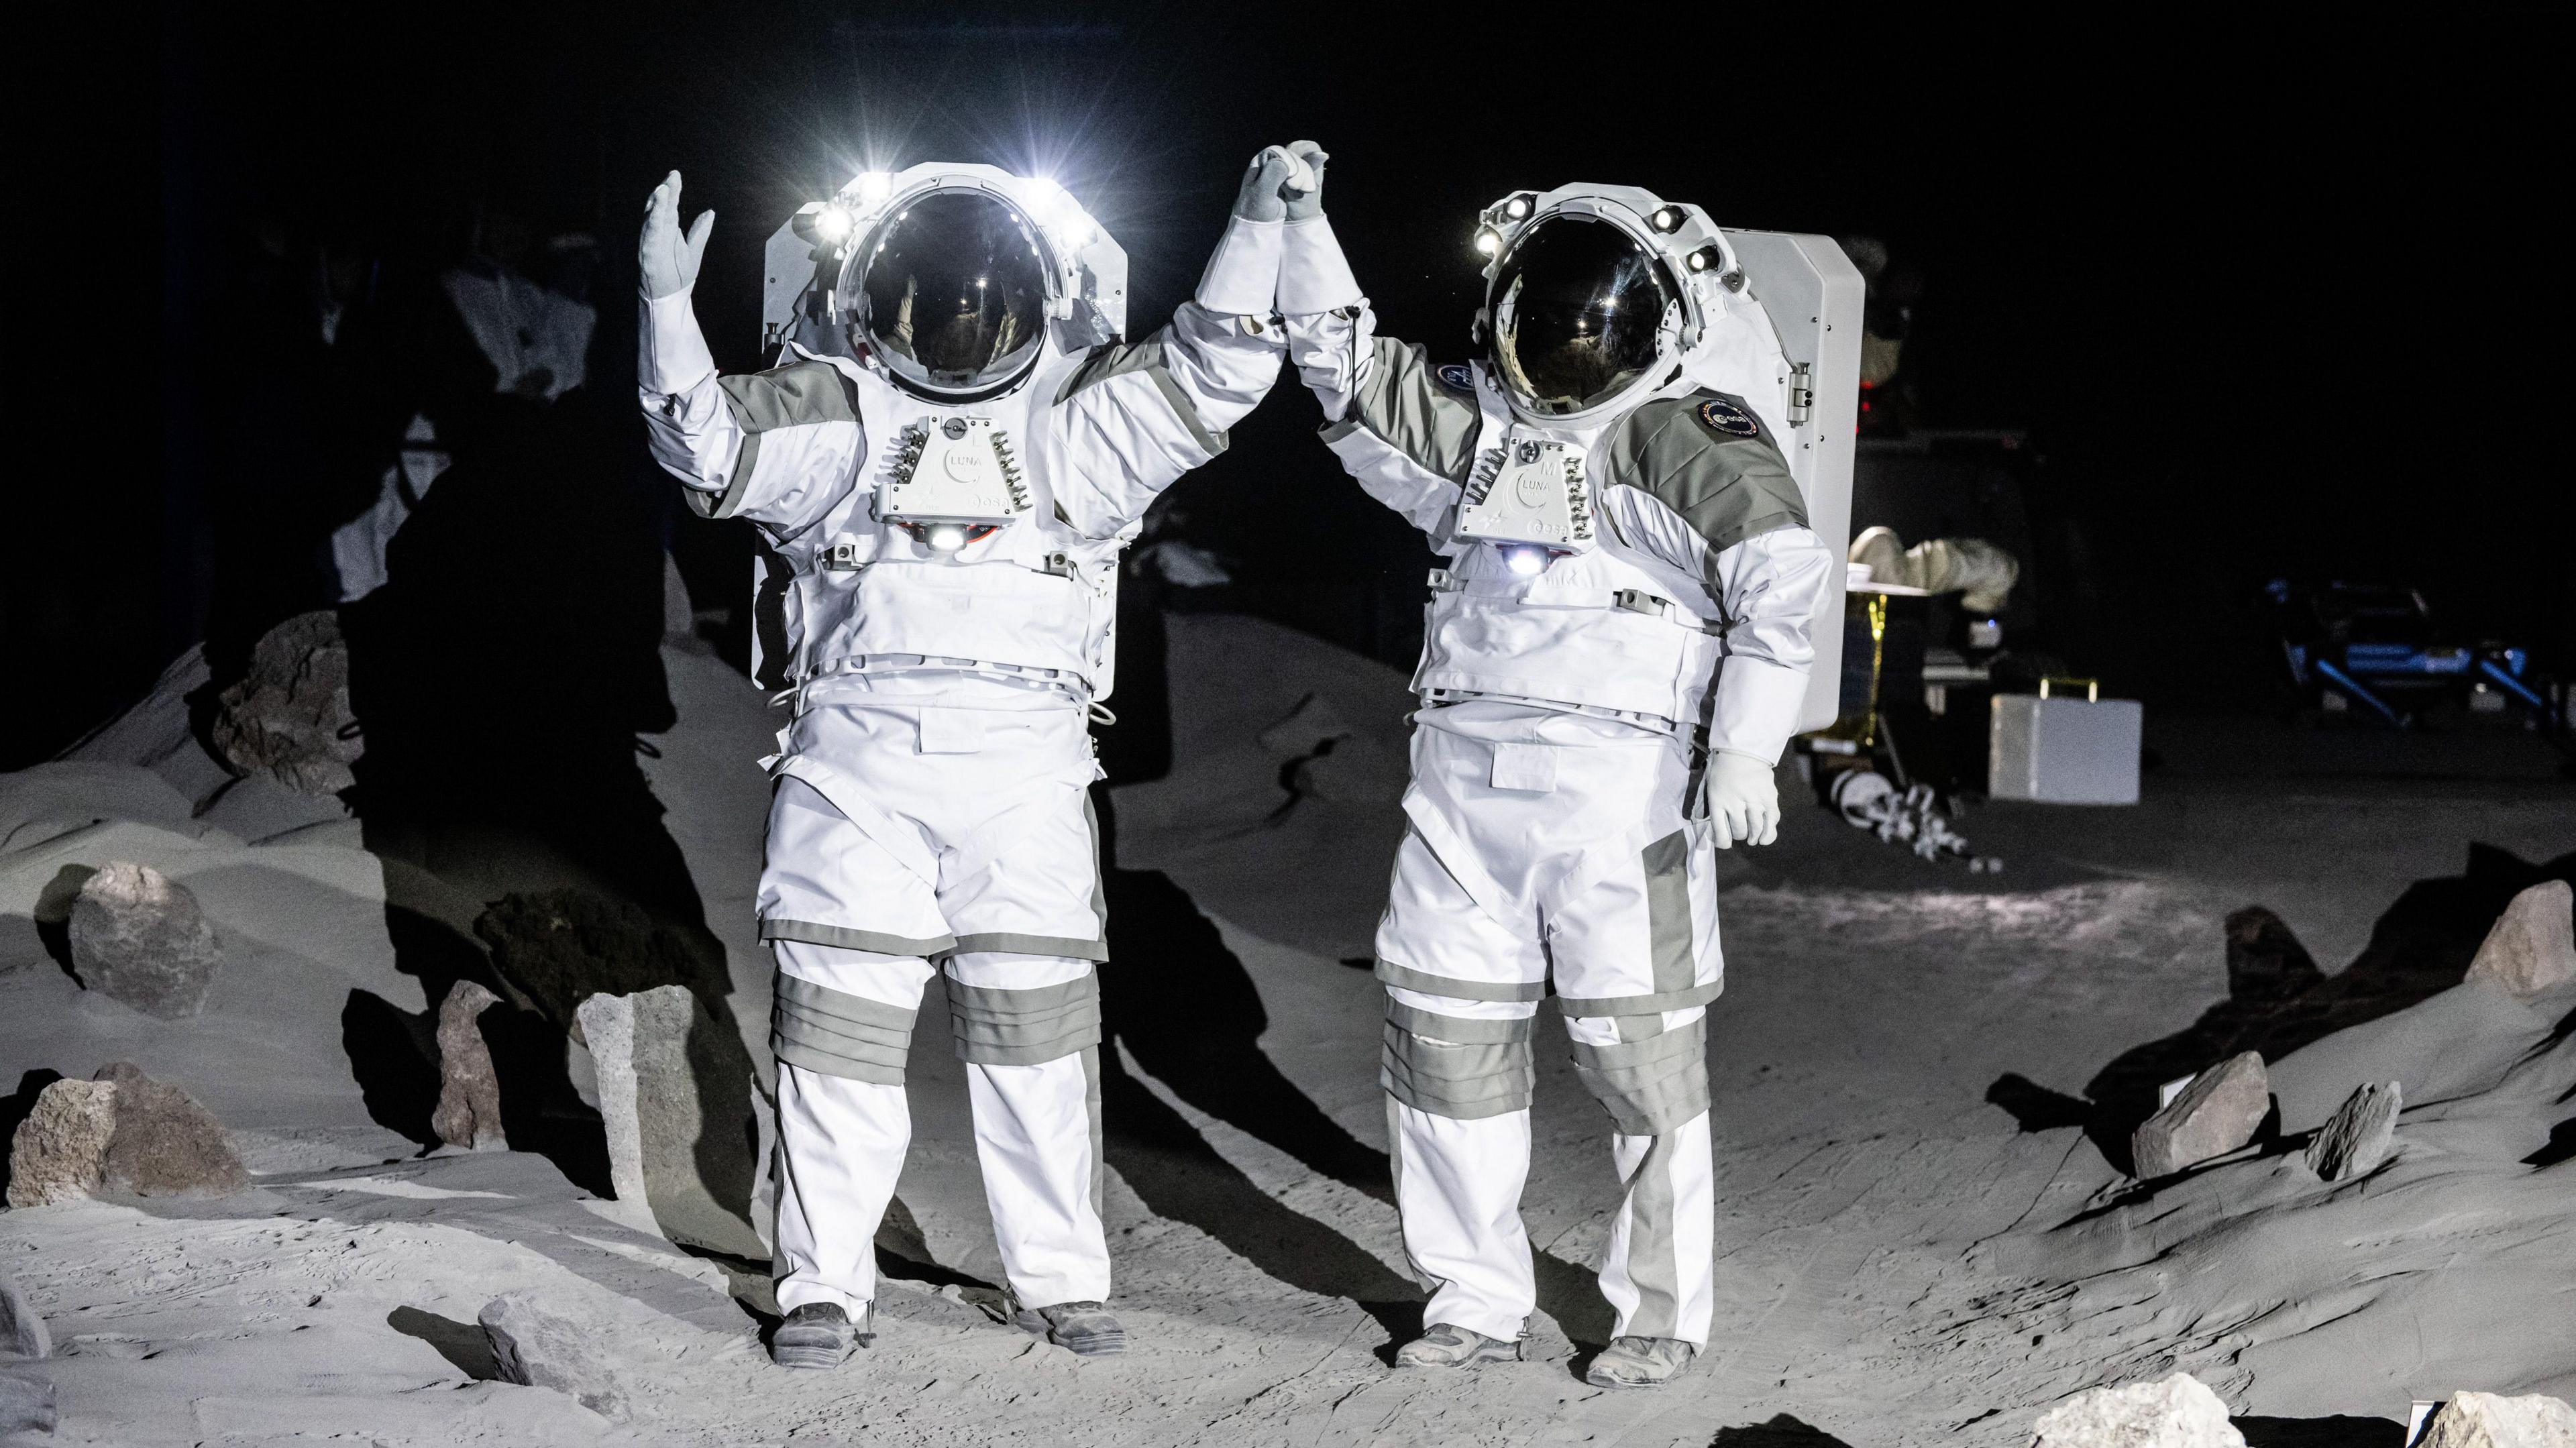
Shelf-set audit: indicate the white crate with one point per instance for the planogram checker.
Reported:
(2063, 750)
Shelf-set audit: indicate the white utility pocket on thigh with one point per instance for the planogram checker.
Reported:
(952, 731)
(1529, 768)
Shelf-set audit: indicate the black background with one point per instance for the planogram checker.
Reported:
(2273, 295)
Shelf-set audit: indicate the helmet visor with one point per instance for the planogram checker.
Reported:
(1578, 304)
(955, 293)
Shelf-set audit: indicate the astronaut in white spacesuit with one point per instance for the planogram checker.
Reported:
(1614, 659)
(944, 470)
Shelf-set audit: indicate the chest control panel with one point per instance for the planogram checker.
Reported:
(955, 470)
(1529, 491)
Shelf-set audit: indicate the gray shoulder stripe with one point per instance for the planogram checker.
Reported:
(1403, 402)
(723, 505)
(790, 396)
(1214, 442)
(1112, 360)
(1727, 489)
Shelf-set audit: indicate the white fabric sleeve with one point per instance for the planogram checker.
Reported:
(1331, 353)
(1424, 498)
(1151, 412)
(1314, 276)
(1242, 276)
(1769, 585)
(691, 432)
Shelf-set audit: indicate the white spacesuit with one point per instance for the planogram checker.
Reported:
(1614, 658)
(944, 470)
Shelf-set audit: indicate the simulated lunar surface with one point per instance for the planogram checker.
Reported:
(1932, 1090)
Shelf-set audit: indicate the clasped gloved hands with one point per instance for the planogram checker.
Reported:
(670, 260)
(1742, 799)
(1283, 183)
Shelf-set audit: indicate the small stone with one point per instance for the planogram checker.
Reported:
(26, 1405)
(2489, 1420)
(2532, 946)
(2176, 1413)
(289, 718)
(675, 1094)
(60, 1151)
(2357, 1137)
(542, 1350)
(469, 1090)
(165, 1144)
(22, 1330)
(2265, 961)
(2218, 1112)
(138, 936)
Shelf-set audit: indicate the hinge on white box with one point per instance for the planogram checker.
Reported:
(1802, 394)
(841, 557)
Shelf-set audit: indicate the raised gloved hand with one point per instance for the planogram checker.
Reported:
(1306, 191)
(1264, 196)
(669, 260)
(1743, 799)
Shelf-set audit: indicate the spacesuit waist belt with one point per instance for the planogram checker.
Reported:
(1606, 657)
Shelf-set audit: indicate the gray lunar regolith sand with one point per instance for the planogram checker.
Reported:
(1926, 1081)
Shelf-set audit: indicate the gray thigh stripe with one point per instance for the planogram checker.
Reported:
(1649, 1086)
(1642, 1005)
(845, 938)
(1653, 1264)
(996, 1027)
(839, 1034)
(1094, 951)
(1099, 1145)
(1461, 1029)
(1668, 912)
(1465, 990)
(1466, 1082)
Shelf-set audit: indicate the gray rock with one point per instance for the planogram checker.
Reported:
(22, 1330)
(2357, 1137)
(543, 1350)
(2217, 1113)
(289, 718)
(138, 936)
(675, 1092)
(561, 947)
(60, 1151)
(2532, 946)
(26, 1404)
(2176, 1413)
(2490, 1420)
(165, 1144)
(469, 1090)
(2265, 961)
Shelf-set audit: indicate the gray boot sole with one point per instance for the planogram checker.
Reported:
(1089, 1344)
(811, 1350)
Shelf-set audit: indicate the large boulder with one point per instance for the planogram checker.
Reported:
(675, 1093)
(2176, 1413)
(22, 1330)
(289, 718)
(2217, 1113)
(59, 1153)
(2357, 1137)
(2532, 946)
(138, 936)
(469, 1089)
(561, 947)
(165, 1144)
(2490, 1420)
(540, 1349)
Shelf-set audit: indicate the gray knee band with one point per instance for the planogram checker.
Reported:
(1454, 1066)
(839, 1034)
(1650, 1086)
(1024, 1027)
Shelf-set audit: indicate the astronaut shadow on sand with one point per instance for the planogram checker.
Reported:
(507, 676)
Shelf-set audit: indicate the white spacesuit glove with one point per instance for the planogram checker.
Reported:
(1263, 196)
(669, 261)
(1742, 799)
(1304, 183)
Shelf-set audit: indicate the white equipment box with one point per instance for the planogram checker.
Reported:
(1813, 295)
(2064, 750)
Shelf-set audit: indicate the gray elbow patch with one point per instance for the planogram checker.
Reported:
(1456, 1067)
(839, 1034)
(996, 1027)
(1649, 1086)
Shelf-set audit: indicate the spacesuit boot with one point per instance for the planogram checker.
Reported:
(943, 468)
(1615, 655)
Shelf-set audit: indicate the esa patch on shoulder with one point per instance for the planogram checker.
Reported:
(1458, 377)
(1726, 418)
